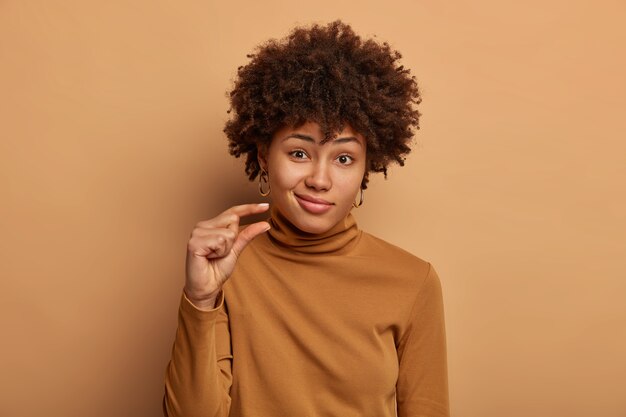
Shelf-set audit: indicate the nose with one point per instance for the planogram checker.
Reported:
(318, 178)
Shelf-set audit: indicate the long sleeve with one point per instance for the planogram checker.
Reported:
(422, 386)
(199, 375)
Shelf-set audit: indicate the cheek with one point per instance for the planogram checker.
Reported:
(284, 175)
(349, 184)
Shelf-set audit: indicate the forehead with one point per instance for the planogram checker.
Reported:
(314, 131)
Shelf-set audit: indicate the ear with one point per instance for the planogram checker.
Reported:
(261, 155)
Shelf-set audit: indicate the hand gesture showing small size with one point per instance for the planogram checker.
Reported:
(213, 250)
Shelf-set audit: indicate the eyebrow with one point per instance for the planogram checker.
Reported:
(308, 138)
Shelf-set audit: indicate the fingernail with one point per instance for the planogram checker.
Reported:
(264, 204)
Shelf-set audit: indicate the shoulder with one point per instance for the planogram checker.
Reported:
(394, 257)
(374, 246)
(416, 283)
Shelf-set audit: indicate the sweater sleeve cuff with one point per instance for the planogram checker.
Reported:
(190, 310)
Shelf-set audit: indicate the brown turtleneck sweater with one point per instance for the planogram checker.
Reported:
(340, 324)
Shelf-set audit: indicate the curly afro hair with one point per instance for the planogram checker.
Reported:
(328, 75)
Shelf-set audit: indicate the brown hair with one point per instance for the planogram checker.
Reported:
(328, 75)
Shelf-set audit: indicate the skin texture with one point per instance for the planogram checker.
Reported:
(330, 75)
(213, 249)
(326, 84)
(302, 166)
(316, 112)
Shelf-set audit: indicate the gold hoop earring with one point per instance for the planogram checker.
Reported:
(264, 178)
(360, 200)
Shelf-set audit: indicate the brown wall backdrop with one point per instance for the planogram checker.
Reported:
(111, 149)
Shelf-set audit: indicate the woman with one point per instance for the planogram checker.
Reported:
(315, 317)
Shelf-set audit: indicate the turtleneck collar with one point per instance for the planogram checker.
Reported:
(336, 240)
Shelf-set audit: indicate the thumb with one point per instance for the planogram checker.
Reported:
(247, 234)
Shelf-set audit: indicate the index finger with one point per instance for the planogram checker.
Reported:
(247, 209)
(230, 217)
(244, 210)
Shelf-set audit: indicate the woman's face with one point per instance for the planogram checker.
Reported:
(312, 184)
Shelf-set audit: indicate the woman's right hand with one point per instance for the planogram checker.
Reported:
(213, 249)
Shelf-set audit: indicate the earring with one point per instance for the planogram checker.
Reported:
(264, 179)
(360, 200)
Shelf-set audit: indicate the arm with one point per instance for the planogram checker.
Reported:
(198, 376)
(422, 387)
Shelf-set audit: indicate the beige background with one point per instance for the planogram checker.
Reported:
(111, 118)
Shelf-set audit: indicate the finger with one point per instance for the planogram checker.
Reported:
(246, 210)
(247, 234)
(222, 220)
(216, 243)
(232, 228)
(230, 218)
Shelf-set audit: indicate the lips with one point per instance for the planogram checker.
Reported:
(312, 204)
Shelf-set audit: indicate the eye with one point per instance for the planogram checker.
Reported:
(298, 154)
(345, 159)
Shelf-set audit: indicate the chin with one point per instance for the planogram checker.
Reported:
(312, 224)
(316, 229)
(308, 225)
